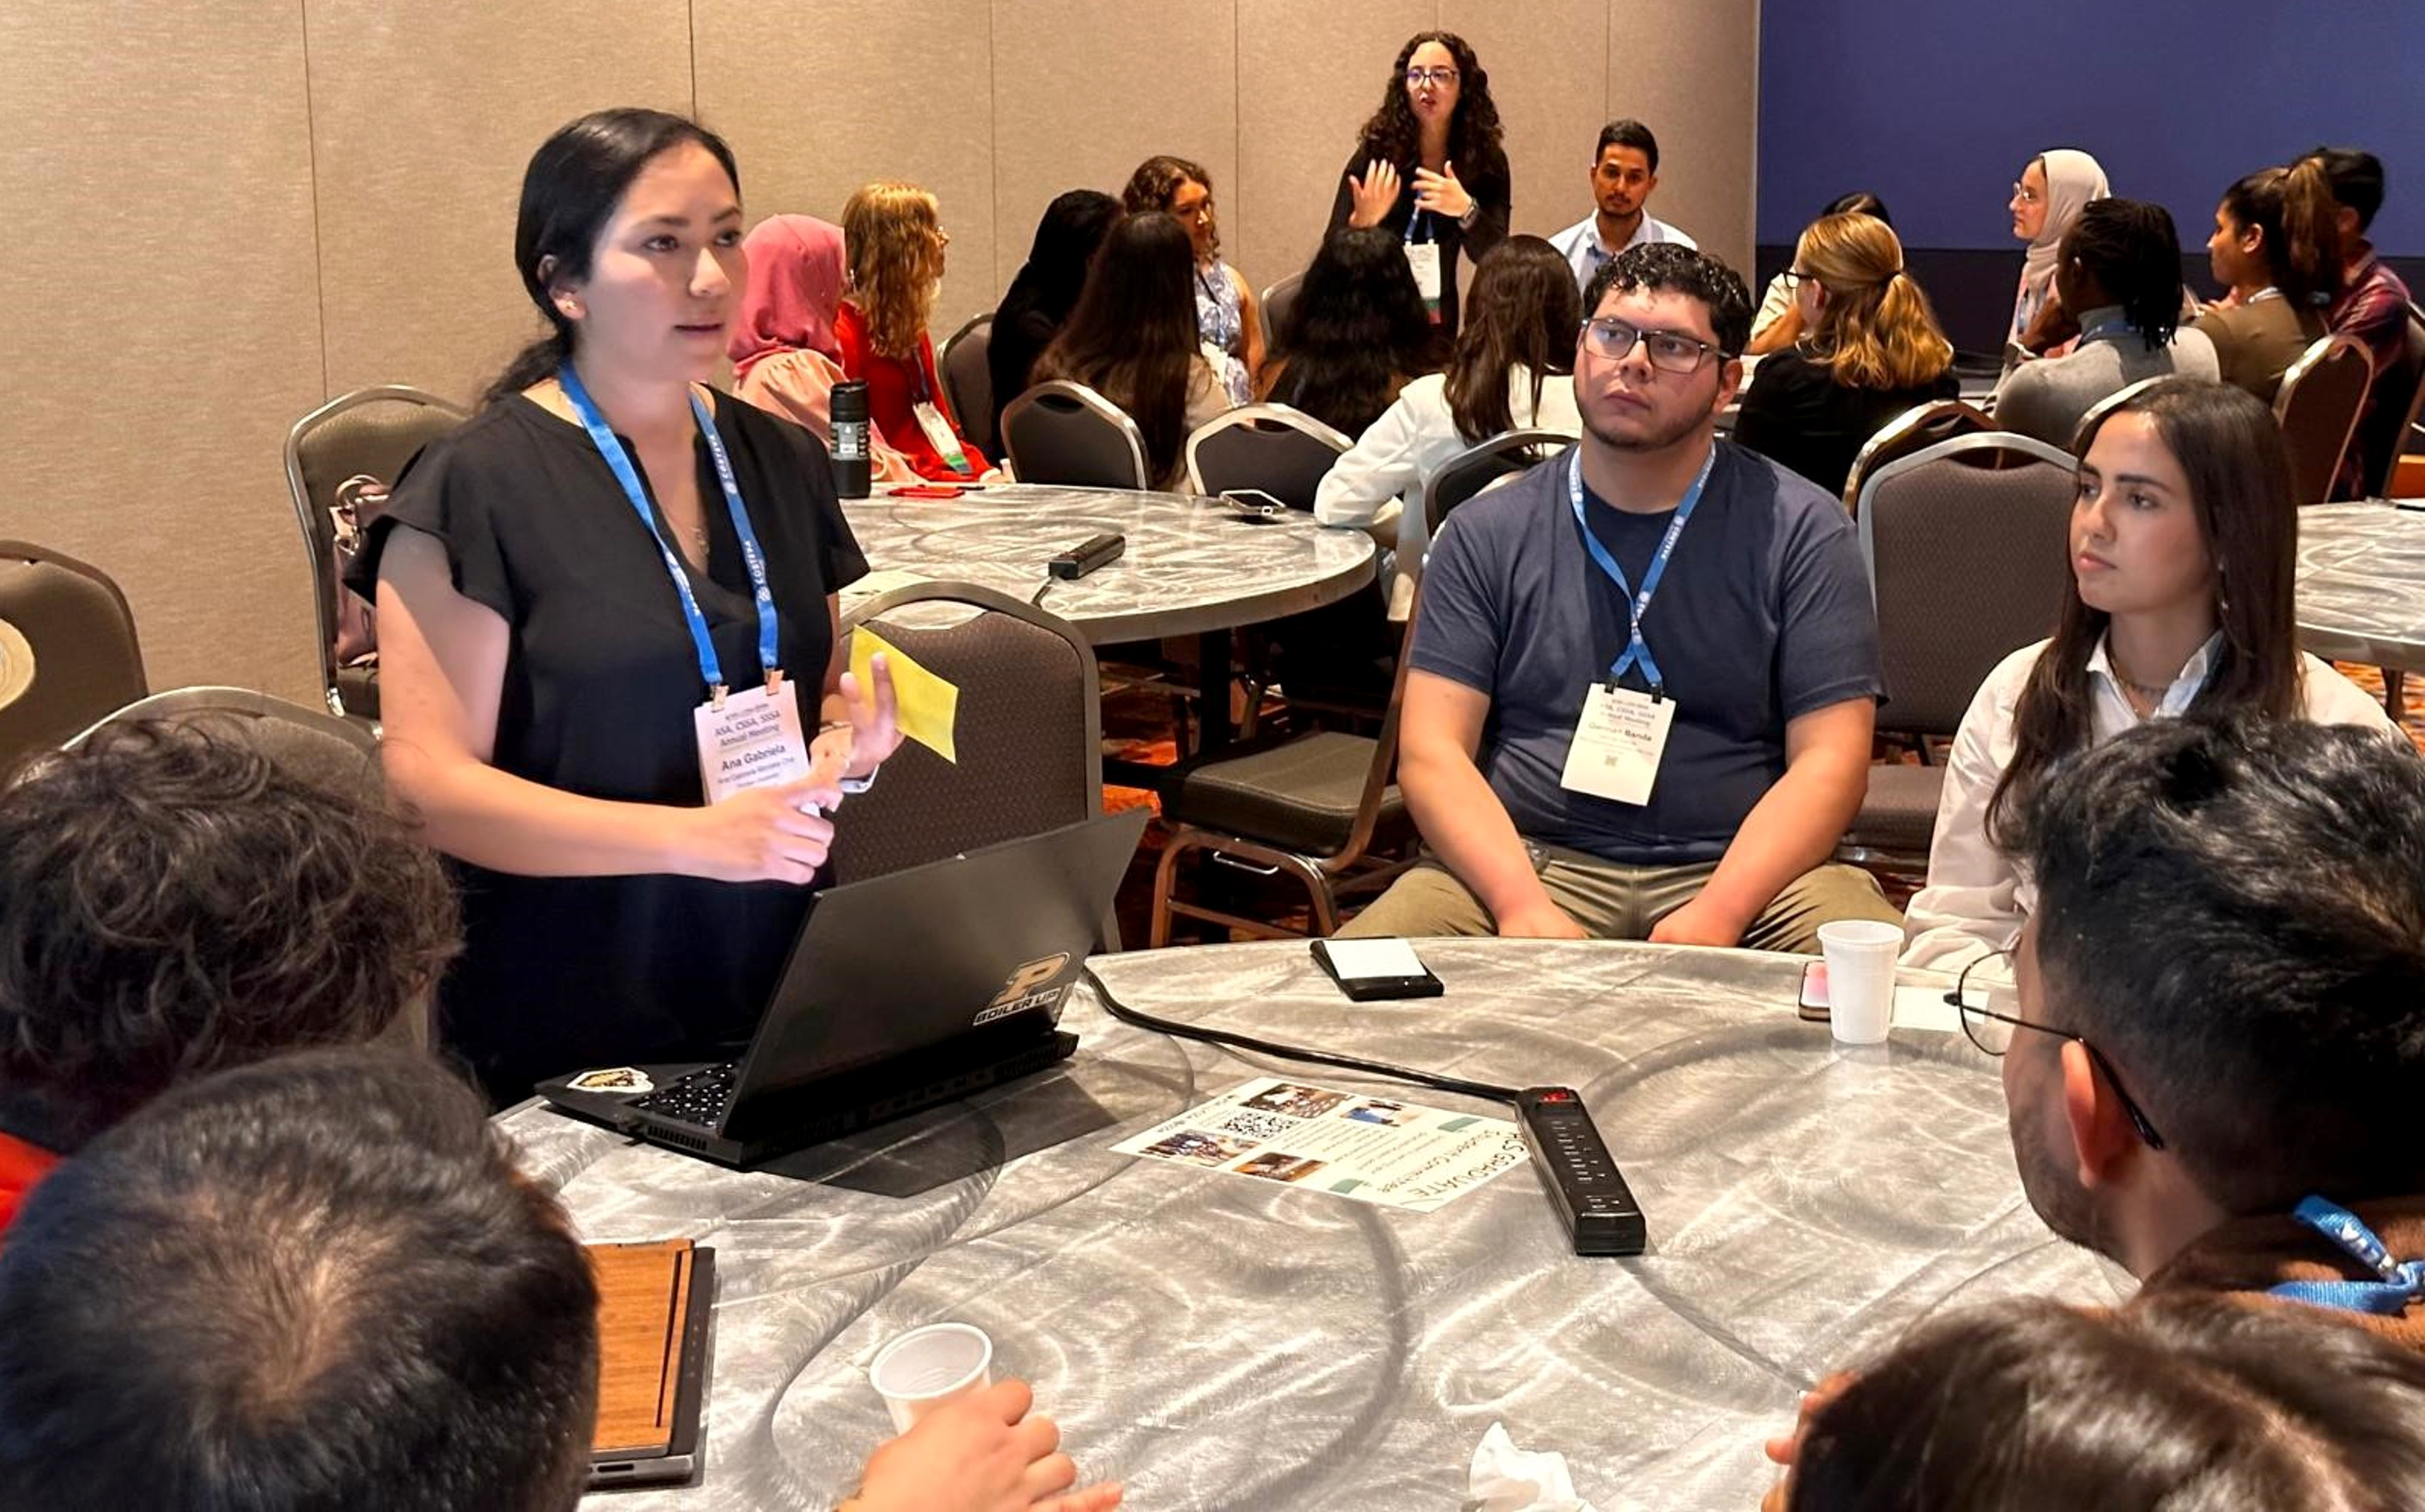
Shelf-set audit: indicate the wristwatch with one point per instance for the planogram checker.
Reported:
(1473, 214)
(851, 785)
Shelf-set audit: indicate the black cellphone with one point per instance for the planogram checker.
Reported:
(1253, 506)
(1368, 988)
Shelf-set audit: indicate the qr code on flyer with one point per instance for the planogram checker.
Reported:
(1256, 1125)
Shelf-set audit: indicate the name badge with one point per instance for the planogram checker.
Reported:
(755, 740)
(1618, 745)
(1424, 258)
(939, 436)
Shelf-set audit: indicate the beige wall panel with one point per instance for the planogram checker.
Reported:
(761, 66)
(1691, 69)
(1549, 71)
(1312, 74)
(1086, 89)
(424, 114)
(160, 314)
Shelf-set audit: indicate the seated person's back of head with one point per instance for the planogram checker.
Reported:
(1132, 339)
(315, 1282)
(2190, 1406)
(1045, 289)
(1356, 332)
(173, 901)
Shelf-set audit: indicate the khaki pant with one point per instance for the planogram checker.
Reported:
(1616, 902)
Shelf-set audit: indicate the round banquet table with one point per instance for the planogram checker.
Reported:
(2362, 584)
(1192, 565)
(1218, 1342)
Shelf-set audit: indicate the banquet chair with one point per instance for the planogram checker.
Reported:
(1274, 306)
(2094, 414)
(370, 433)
(71, 651)
(967, 381)
(1922, 425)
(2390, 429)
(2318, 407)
(1027, 732)
(1274, 447)
(1318, 807)
(1064, 432)
(1483, 465)
(1967, 543)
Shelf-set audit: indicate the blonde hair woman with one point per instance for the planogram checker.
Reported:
(1871, 348)
(894, 239)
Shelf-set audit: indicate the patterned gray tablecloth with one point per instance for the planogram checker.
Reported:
(2362, 584)
(1218, 1342)
(1190, 565)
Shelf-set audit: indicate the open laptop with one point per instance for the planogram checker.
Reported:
(902, 992)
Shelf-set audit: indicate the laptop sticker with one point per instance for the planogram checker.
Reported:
(622, 1080)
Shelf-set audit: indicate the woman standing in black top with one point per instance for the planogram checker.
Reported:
(561, 583)
(1436, 134)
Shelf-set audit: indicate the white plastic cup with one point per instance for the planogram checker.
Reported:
(927, 1367)
(1861, 954)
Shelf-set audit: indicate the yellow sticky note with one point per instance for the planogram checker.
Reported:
(930, 707)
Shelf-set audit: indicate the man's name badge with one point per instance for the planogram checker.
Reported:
(754, 740)
(1618, 745)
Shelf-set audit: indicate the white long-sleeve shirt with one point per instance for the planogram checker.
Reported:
(1976, 898)
(1378, 486)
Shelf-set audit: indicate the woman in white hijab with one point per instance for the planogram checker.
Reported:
(2053, 189)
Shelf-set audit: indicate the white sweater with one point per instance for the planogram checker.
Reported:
(1378, 486)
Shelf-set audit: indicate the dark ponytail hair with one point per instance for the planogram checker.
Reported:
(570, 191)
(2295, 210)
(2133, 251)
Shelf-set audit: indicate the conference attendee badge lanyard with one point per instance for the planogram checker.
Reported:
(1622, 733)
(2396, 1283)
(1424, 259)
(939, 434)
(752, 738)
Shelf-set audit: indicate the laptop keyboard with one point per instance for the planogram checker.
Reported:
(699, 1098)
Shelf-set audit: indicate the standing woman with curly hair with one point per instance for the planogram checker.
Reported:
(1431, 168)
(894, 240)
(1226, 320)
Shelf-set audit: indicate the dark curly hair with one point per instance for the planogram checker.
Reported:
(1687, 271)
(1475, 142)
(1357, 330)
(173, 901)
(1156, 183)
(2133, 251)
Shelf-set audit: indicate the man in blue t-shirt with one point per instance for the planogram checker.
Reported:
(1645, 674)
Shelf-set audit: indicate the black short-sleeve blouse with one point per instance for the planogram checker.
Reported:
(561, 973)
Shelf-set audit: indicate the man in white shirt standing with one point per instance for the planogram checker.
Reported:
(1623, 171)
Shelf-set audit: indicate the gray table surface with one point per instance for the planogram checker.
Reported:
(1190, 565)
(2362, 584)
(1217, 1341)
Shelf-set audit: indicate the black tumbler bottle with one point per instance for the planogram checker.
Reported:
(850, 439)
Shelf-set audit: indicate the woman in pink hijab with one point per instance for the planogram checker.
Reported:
(784, 355)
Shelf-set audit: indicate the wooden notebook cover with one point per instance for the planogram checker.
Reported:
(643, 1301)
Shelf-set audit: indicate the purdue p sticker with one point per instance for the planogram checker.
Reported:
(1030, 987)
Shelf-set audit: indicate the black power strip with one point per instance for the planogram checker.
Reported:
(1581, 1178)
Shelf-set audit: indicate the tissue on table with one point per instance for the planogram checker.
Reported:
(1508, 1479)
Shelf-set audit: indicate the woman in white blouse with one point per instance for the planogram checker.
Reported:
(2183, 540)
(1513, 369)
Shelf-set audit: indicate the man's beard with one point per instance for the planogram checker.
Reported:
(1660, 440)
(2059, 1199)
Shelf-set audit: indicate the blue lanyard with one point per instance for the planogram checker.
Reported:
(2401, 1281)
(2107, 330)
(1423, 218)
(1637, 650)
(612, 450)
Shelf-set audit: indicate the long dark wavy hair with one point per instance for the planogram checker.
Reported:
(2230, 449)
(1523, 309)
(1475, 141)
(570, 191)
(1133, 337)
(1356, 333)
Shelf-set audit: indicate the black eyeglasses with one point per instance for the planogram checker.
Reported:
(1671, 351)
(1992, 1031)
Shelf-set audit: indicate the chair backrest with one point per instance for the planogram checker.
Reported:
(967, 381)
(1027, 735)
(2094, 414)
(1922, 425)
(1967, 543)
(1064, 432)
(2318, 406)
(1274, 447)
(72, 648)
(1479, 465)
(368, 433)
(1274, 304)
(2388, 428)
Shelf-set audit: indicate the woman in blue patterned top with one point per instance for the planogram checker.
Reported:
(1226, 319)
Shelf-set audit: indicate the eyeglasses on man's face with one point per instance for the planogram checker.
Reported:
(1670, 352)
(1437, 77)
(1988, 1003)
